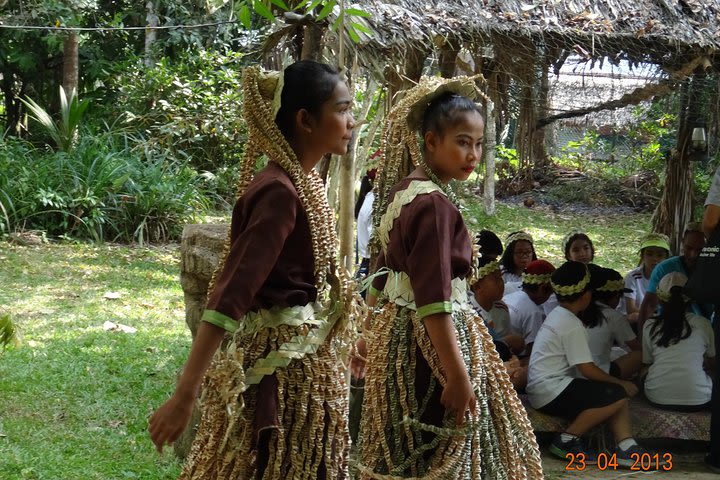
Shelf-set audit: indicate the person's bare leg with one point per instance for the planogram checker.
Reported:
(620, 423)
(594, 416)
(629, 364)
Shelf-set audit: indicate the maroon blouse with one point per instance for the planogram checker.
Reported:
(429, 242)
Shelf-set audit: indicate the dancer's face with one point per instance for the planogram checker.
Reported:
(454, 154)
(334, 125)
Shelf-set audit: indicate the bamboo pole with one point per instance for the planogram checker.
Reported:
(489, 154)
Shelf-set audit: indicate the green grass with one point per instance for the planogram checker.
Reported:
(76, 398)
(615, 237)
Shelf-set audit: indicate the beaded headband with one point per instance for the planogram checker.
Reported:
(567, 290)
(486, 270)
(535, 279)
(519, 236)
(612, 286)
(567, 237)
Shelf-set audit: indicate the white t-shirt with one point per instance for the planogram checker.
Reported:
(509, 277)
(636, 281)
(526, 316)
(613, 329)
(364, 224)
(550, 304)
(498, 315)
(560, 344)
(713, 197)
(676, 375)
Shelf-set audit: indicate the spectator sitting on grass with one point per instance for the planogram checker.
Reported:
(654, 248)
(519, 252)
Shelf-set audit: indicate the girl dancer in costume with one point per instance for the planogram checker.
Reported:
(438, 400)
(275, 400)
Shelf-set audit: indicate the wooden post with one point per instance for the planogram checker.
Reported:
(489, 154)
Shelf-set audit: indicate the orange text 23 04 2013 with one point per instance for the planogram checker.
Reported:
(644, 462)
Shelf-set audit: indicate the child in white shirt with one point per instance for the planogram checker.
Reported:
(525, 305)
(678, 346)
(561, 350)
(606, 327)
(654, 248)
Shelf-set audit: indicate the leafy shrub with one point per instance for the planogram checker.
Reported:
(190, 106)
(102, 189)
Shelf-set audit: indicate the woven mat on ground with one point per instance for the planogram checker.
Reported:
(647, 422)
(651, 422)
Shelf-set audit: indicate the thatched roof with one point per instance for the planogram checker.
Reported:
(657, 31)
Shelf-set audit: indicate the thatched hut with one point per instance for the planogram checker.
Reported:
(517, 45)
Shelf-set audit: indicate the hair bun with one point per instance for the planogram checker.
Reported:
(464, 86)
(267, 83)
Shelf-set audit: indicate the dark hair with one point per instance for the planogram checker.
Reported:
(307, 85)
(366, 185)
(578, 236)
(570, 273)
(593, 316)
(507, 261)
(444, 111)
(671, 324)
(482, 261)
(489, 243)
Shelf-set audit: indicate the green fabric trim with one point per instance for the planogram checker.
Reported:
(437, 307)
(220, 320)
(374, 291)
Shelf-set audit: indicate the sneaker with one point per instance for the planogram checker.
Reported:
(638, 458)
(713, 465)
(570, 449)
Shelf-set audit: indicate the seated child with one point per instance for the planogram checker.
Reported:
(561, 350)
(488, 289)
(519, 252)
(525, 305)
(677, 345)
(489, 244)
(607, 327)
(654, 248)
(577, 247)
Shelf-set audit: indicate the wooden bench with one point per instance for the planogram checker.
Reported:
(647, 422)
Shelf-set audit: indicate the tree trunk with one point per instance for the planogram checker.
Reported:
(12, 105)
(447, 56)
(150, 34)
(70, 64)
(312, 42)
(489, 154)
(675, 208)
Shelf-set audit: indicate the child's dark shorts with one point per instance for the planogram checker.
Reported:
(581, 395)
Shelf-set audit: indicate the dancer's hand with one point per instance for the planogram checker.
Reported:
(169, 421)
(358, 360)
(458, 396)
